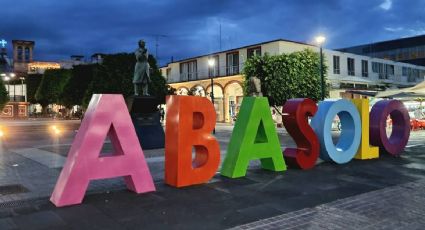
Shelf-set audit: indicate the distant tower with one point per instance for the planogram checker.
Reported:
(22, 55)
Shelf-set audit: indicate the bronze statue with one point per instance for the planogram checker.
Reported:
(254, 87)
(141, 70)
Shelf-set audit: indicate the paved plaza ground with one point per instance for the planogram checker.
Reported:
(385, 193)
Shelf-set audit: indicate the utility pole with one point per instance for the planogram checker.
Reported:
(157, 36)
(220, 35)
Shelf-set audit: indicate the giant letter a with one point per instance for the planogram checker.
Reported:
(254, 137)
(107, 114)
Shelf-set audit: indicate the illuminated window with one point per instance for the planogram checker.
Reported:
(232, 63)
(214, 70)
(188, 71)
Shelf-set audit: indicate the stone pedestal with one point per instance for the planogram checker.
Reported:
(146, 120)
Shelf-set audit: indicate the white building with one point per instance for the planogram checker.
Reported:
(346, 71)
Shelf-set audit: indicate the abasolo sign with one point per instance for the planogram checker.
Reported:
(190, 121)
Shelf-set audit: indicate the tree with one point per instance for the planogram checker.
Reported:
(115, 75)
(75, 88)
(32, 81)
(286, 76)
(4, 96)
(51, 86)
(158, 86)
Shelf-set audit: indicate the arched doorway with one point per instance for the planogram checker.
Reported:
(233, 97)
(218, 101)
(198, 91)
(182, 91)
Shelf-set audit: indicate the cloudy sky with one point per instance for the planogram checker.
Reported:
(186, 28)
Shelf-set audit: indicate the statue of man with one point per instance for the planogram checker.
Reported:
(141, 70)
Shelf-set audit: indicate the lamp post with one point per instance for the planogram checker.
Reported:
(211, 64)
(13, 75)
(320, 40)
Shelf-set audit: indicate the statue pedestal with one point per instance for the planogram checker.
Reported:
(146, 120)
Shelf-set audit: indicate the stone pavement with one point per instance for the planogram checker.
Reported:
(396, 207)
(29, 174)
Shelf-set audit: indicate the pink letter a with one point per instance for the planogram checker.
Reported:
(107, 114)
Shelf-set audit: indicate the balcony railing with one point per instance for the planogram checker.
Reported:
(386, 76)
(207, 73)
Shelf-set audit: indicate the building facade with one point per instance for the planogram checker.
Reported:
(347, 73)
(409, 50)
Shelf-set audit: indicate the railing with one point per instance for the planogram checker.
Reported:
(207, 73)
(385, 76)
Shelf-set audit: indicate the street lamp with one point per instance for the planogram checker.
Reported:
(320, 40)
(211, 64)
(22, 87)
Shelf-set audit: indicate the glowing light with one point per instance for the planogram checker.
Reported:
(1, 133)
(320, 39)
(3, 43)
(55, 129)
(211, 62)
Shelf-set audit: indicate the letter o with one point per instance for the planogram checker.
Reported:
(349, 140)
(401, 126)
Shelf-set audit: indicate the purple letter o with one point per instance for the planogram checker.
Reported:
(401, 126)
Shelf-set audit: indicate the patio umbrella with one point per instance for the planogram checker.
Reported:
(417, 91)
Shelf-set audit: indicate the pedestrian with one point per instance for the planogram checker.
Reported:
(161, 113)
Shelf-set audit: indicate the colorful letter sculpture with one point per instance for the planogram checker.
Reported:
(349, 138)
(190, 121)
(365, 151)
(107, 114)
(295, 119)
(254, 137)
(400, 126)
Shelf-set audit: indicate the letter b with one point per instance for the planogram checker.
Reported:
(190, 121)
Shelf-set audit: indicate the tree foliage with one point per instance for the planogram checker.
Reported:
(75, 88)
(4, 96)
(115, 75)
(51, 86)
(286, 76)
(33, 82)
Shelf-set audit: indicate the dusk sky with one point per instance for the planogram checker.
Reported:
(187, 28)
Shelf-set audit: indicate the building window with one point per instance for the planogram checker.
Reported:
(188, 71)
(255, 51)
(168, 73)
(350, 66)
(365, 68)
(415, 73)
(379, 69)
(20, 54)
(232, 63)
(389, 69)
(214, 70)
(404, 71)
(27, 54)
(336, 65)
